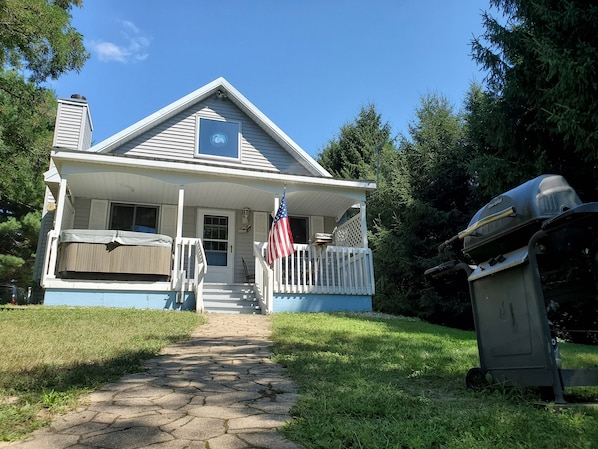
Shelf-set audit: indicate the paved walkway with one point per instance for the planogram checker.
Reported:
(219, 390)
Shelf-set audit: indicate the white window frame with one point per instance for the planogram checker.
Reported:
(197, 152)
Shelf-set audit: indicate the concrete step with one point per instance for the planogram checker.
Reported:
(227, 298)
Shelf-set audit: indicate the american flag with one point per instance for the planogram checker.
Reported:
(280, 240)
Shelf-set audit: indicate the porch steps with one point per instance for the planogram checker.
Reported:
(230, 298)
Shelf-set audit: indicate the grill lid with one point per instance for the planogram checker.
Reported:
(509, 220)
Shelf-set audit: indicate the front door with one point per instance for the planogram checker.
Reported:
(216, 229)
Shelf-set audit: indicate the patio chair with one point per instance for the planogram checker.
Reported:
(248, 277)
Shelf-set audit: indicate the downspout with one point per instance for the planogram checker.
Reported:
(364, 229)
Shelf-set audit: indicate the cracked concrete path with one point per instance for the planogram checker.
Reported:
(218, 390)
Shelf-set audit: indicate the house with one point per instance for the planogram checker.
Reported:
(174, 212)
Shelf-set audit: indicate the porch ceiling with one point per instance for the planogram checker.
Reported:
(132, 188)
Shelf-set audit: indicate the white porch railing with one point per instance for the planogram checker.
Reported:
(319, 269)
(189, 269)
(48, 270)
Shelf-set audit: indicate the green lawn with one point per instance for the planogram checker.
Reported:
(51, 357)
(399, 383)
(365, 382)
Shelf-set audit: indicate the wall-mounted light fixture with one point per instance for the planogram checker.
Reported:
(245, 215)
(245, 226)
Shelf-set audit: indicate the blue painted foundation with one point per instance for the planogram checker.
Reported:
(321, 303)
(167, 300)
(118, 298)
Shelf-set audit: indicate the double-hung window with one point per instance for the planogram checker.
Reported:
(133, 217)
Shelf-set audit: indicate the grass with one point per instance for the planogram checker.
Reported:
(399, 383)
(51, 357)
(365, 382)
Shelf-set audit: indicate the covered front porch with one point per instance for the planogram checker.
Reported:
(218, 222)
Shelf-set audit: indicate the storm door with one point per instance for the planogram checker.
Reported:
(216, 229)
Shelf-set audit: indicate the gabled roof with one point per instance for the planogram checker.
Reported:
(110, 144)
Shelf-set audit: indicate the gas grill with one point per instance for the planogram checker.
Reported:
(530, 250)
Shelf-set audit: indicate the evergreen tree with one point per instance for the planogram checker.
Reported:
(356, 153)
(540, 109)
(425, 201)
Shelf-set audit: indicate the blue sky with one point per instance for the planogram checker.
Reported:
(309, 65)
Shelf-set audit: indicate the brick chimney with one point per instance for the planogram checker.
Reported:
(73, 127)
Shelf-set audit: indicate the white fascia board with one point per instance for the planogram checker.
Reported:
(157, 117)
(274, 131)
(65, 156)
(51, 175)
(187, 101)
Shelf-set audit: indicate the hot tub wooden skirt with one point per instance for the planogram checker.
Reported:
(118, 262)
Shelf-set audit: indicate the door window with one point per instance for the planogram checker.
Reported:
(215, 239)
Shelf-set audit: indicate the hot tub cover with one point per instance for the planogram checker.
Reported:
(114, 237)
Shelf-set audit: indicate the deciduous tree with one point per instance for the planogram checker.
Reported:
(37, 43)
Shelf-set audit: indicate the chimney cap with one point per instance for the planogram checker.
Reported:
(78, 97)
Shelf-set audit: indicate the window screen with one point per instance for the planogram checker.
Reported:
(218, 138)
(131, 217)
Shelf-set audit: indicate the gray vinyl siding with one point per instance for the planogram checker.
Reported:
(68, 215)
(83, 210)
(175, 139)
(244, 250)
(189, 222)
(329, 224)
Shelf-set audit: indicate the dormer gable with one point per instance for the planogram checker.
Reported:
(214, 125)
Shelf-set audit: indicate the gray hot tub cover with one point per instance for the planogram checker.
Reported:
(114, 237)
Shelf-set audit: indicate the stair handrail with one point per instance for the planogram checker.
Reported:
(185, 280)
(264, 278)
(50, 257)
(200, 272)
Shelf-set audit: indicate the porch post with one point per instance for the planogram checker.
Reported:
(60, 201)
(364, 230)
(49, 268)
(276, 205)
(179, 234)
(179, 215)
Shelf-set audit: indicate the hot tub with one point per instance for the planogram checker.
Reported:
(114, 255)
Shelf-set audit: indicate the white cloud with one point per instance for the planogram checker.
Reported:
(107, 51)
(134, 47)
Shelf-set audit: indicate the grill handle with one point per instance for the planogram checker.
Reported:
(478, 224)
(510, 212)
